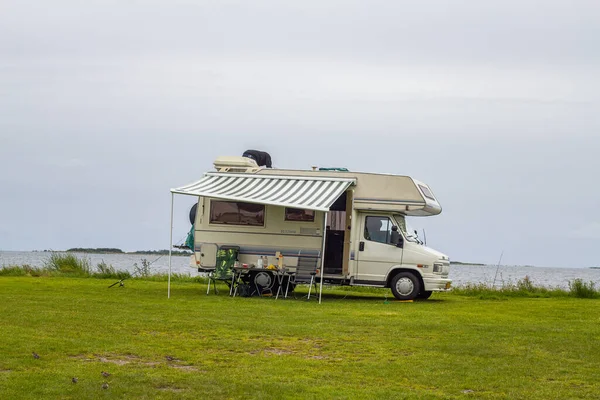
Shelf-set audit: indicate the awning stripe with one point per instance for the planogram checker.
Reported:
(290, 191)
(316, 194)
(293, 193)
(332, 193)
(289, 186)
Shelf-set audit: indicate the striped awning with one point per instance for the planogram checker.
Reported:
(287, 191)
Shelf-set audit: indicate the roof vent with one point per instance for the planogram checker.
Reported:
(235, 164)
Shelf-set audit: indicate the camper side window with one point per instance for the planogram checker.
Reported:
(298, 214)
(378, 229)
(237, 213)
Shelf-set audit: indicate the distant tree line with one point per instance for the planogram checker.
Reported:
(110, 250)
(466, 263)
(162, 252)
(95, 250)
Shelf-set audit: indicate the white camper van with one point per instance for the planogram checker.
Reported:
(350, 226)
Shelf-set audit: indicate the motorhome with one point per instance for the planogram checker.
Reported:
(350, 226)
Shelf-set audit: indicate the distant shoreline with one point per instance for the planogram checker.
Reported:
(105, 250)
(467, 263)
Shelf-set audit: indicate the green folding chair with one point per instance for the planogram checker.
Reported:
(226, 258)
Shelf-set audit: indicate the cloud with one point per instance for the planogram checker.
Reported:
(70, 163)
(590, 230)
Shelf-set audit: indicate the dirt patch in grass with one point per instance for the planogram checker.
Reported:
(303, 347)
(278, 352)
(117, 359)
(112, 361)
(167, 388)
(124, 359)
(185, 367)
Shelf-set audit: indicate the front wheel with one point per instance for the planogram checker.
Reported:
(405, 286)
(424, 295)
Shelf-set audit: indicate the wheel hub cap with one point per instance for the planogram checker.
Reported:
(404, 286)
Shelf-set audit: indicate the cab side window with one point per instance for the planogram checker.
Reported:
(378, 229)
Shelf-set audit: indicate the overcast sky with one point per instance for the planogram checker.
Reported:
(106, 105)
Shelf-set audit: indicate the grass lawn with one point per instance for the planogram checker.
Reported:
(360, 346)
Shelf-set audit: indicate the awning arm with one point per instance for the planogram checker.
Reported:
(170, 249)
(325, 214)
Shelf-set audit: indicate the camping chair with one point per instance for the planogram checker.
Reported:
(226, 258)
(304, 273)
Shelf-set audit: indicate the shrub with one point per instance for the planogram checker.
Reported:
(21, 270)
(526, 285)
(583, 290)
(104, 270)
(68, 264)
(178, 277)
(13, 270)
(522, 288)
(142, 271)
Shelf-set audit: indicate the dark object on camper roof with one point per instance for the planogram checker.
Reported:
(338, 169)
(262, 158)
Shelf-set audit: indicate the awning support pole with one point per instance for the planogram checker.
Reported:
(323, 253)
(170, 248)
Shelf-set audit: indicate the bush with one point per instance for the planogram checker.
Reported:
(107, 271)
(522, 288)
(583, 290)
(142, 271)
(68, 264)
(175, 277)
(23, 270)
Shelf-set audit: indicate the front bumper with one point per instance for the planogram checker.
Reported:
(437, 284)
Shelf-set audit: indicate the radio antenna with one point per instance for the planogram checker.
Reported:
(497, 268)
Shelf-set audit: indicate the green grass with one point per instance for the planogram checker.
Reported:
(354, 345)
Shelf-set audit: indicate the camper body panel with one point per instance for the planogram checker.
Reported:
(294, 239)
(379, 191)
(432, 265)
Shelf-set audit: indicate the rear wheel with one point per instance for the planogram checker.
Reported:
(405, 286)
(264, 281)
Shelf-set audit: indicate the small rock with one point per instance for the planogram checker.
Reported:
(35, 355)
(74, 380)
(105, 374)
(105, 385)
(468, 391)
(170, 358)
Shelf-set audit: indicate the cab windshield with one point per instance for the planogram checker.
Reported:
(407, 230)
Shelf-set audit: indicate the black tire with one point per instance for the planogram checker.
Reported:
(424, 295)
(264, 281)
(405, 286)
(193, 213)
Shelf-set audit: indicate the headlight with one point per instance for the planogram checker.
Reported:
(438, 268)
